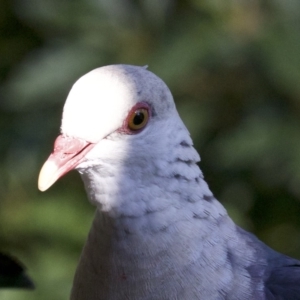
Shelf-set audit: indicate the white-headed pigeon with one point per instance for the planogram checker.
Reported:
(158, 233)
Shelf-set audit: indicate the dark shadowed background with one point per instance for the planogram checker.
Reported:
(234, 70)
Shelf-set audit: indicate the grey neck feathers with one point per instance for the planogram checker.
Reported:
(141, 185)
(158, 234)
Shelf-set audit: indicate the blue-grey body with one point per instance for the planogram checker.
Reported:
(159, 233)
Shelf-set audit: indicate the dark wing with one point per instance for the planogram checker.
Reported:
(284, 279)
(281, 273)
(12, 274)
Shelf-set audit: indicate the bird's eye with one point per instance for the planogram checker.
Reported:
(138, 119)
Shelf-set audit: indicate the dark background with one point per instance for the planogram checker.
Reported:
(234, 70)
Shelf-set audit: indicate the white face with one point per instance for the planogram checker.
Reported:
(99, 101)
(93, 108)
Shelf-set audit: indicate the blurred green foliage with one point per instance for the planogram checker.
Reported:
(234, 69)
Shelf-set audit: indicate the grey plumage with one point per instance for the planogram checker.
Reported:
(158, 232)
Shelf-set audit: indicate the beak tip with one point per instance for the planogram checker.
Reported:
(41, 187)
(47, 176)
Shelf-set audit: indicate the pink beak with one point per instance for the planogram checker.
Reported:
(67, 154)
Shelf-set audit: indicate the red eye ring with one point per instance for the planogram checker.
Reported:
(137, 118)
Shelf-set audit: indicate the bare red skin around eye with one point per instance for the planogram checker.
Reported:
(125, 129)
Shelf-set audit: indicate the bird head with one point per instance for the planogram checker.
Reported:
(107, 111)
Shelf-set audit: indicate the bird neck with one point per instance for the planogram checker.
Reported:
(142, 183)
(147, 197)
(132, 252)
(155, 220)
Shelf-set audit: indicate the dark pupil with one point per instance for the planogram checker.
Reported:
(138, 118)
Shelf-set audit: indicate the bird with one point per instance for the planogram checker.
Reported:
(158, 230)
(12, 273)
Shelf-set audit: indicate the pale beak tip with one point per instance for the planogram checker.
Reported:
(47, 175)
(42, 187)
